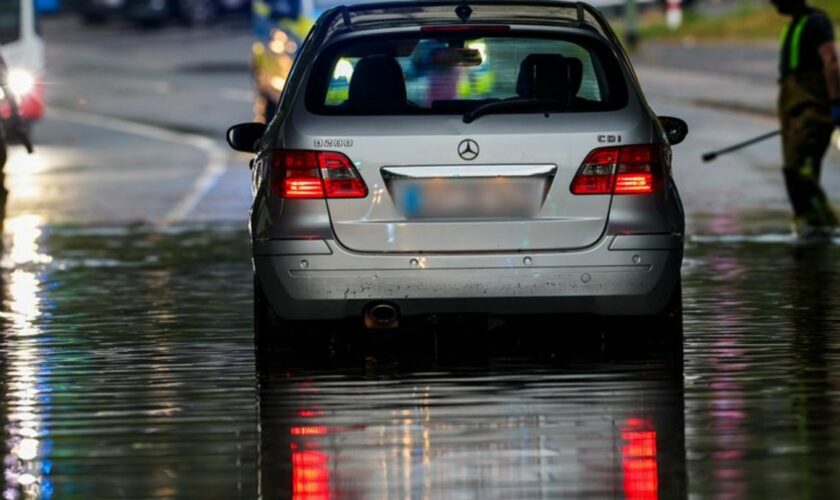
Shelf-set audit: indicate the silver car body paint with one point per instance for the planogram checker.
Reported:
(328, 259)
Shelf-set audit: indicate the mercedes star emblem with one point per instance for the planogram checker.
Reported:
(468, 149)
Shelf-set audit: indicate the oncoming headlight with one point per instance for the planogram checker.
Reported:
(21, 82)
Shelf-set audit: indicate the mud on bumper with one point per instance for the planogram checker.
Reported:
(621, 275)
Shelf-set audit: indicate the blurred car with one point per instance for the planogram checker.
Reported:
(188, 12)
(23, 51)
(279, 26)
(100, 11)
(387, 188)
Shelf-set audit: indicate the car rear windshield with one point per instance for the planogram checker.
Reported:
(9, 21)
(454, 73)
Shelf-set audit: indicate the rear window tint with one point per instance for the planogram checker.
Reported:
(457, 73)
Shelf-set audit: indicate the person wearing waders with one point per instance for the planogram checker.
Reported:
(809, 109)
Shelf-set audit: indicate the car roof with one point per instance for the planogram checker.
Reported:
(396, 14)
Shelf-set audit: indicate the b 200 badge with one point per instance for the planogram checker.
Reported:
(334, 143)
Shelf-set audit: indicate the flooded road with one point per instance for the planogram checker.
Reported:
(128, 371)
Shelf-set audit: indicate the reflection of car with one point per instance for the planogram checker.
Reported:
(190, 12)
(23, 50)
(507, 431)
(384, 191)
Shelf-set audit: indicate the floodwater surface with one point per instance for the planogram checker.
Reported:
(128, 371)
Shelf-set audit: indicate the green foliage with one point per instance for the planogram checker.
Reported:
(751, 20)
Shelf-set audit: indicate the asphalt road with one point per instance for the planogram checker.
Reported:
(135, 128)
(127, 356)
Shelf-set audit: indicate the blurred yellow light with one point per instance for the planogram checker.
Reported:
(279, 36)
(291, 47)
(277, 46)
(278, 82)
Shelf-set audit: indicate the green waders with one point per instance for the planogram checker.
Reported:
(806, 135)
(804, 110)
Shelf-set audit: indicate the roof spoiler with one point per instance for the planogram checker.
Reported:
(460, 7)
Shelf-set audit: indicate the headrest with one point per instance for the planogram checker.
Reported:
(377, 83)
(549, 76)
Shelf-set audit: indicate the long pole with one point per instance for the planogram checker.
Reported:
(741, 145)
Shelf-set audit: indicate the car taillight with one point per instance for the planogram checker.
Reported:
(315, 174)
(638, 169)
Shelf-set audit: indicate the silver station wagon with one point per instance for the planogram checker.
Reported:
(447, 157)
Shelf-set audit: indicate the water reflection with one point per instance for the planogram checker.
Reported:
(22, 174)
(26, 366)
(113, 385)
(511, 426)
(761, 361)
(128, 370)
(814, 318)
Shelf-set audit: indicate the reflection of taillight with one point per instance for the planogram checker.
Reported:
(638, 457)
(308, 430)
(637, 169)
(315, 175)
(310, 475)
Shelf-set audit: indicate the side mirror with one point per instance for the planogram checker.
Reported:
(245, 137)
(675, 129)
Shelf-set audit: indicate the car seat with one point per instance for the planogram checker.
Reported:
(550, 77)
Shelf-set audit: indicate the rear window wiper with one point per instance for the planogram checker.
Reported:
(515, 104)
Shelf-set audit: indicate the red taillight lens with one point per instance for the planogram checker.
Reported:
(594, 179)
(315, 174)
(623, 170)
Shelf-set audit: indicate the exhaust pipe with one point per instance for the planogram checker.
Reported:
(382, 317)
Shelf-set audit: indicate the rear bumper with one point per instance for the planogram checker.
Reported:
(621, 275)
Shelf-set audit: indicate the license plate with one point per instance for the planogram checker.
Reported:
(470, 197)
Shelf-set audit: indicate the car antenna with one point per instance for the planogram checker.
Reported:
(463, 11)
